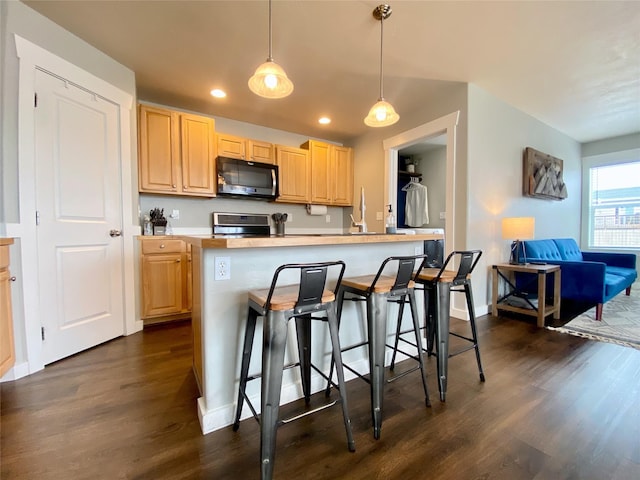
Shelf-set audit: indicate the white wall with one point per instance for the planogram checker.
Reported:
(498, 134)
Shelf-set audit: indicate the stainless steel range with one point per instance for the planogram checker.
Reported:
(254, 224)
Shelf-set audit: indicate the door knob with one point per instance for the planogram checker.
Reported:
(115, 233)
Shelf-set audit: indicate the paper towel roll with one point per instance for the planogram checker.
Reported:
(317, 209)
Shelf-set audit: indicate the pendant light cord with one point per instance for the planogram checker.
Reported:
(270, 59)
(381, 43)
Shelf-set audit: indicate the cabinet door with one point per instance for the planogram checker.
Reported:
(320, 172)
(294, 172)
(260, 151)
(162, 284)
(198, 157)
(159, 150)
(7, 349)
(231, 146)
(342, 178)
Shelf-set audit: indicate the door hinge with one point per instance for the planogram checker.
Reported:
(37, 217)
(42, 333)
(35, 100)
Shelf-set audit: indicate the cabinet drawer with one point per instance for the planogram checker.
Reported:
(158, 245)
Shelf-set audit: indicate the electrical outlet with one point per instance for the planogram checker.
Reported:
(175, 214)
(378, 215)
(327, 218)
(222, 268)
(289, 217)
(442, 215)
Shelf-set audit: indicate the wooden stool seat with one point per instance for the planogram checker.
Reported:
(431, 274)
(283, 298)
(364, 282)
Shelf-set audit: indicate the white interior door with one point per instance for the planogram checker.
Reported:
(78, 200)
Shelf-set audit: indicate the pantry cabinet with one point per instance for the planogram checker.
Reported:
(294, 173)
(244, 148)
(7, 344)
(165, 276)
(176, 152)
(331, 173)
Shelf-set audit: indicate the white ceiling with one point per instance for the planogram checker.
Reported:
(573, 65)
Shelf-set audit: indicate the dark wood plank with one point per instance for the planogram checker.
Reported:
(553, 406)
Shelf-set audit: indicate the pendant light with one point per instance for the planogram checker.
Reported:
(382, 113)
(270, 79)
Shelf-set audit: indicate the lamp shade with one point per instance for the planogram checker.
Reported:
(270, 81)
(381, 114)
(518, 228)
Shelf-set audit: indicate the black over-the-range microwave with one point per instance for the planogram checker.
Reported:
(247, 179)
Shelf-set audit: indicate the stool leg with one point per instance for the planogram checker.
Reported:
(339, 301)
(472, 321)
(377, 326)
(442, 293)
(430, 316)
(398, 329)
(274, 341)
(416, 329)
(337, 358)
(303, 333)
(246, 358)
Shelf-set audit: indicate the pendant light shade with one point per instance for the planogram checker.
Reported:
(270, 79)
(382, 113)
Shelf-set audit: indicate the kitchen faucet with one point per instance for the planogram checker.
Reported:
(362, 224)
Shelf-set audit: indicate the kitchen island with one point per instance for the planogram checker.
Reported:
(226, 267)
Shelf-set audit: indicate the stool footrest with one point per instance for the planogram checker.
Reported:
(304, 414)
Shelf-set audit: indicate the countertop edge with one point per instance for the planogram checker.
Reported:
(303, 240)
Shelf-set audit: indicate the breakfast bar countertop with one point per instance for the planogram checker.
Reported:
(299, 240)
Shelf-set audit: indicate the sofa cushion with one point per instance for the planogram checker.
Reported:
(613, 285)
(626, 273)
(568, 249)
(542, 250)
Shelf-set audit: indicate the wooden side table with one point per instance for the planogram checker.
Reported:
(540, 311)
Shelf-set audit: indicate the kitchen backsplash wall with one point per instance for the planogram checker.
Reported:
(195, 213)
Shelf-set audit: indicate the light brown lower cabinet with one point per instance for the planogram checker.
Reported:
(7, 348)
(165, 276)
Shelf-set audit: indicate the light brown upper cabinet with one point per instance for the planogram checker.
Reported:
(244, 148)
(176, 152)
(342, 171)
(331, 173)
(294, 173)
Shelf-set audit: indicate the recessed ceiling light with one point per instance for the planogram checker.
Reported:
(218, 93)
(324, 120)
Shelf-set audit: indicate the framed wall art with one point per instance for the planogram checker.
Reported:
(542, 175)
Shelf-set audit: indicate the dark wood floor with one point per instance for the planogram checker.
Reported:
(554, 406)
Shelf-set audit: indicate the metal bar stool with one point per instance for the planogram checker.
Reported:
(377, 290)
(278, 305)
(437, 283)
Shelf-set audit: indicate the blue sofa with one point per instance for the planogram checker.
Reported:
(586, 276)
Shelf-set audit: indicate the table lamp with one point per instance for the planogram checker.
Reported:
(518, 229)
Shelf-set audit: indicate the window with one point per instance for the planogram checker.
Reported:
(614, 205)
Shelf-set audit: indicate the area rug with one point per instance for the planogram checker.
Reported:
(620, 321)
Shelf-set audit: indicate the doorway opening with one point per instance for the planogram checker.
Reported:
(441, 131)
